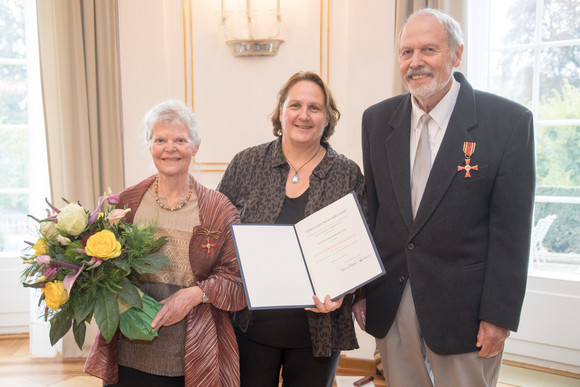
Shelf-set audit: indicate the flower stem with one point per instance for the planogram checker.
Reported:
(65, 264)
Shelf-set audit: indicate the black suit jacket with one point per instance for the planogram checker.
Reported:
(466, 253)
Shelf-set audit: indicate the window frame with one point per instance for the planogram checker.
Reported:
(551, 298)
(478, 51)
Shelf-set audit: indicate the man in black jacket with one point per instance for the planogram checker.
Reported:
(455, 243)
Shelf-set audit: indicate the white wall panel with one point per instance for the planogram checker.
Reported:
(14, 315)
(548, 332)
(233, 97)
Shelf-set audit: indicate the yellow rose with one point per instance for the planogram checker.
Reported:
(40, 247)
(72, 219)
(103, 245)
(55, 294)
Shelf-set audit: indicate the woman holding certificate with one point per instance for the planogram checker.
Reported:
(281, 182)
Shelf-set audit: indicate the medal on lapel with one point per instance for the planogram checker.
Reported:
(210, 235)
(468, 150)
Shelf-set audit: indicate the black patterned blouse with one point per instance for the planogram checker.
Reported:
(255, 183)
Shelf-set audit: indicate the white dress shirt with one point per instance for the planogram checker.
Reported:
(440, 116)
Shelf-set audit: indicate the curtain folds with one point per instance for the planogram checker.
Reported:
(404, 8)
(82, 109)
(82, 102)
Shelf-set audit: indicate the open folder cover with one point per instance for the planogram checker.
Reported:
(330, 252)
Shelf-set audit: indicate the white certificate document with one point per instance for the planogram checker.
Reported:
(330, 252)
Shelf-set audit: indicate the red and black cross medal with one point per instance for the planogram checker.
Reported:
(468, 149)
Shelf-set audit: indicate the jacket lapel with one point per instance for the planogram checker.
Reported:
(397, 151)
(450, 154)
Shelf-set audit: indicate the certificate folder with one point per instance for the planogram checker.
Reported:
(330, 252)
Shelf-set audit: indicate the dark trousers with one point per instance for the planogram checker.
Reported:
(130, 377)
(260, 365)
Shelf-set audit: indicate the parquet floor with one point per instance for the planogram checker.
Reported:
(19, 369)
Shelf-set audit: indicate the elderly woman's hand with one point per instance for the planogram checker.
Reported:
(327, 306)
(177, 306)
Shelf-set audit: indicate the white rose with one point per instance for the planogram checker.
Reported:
(72, 219)
(48, 229)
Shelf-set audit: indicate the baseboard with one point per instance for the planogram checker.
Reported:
(11, 336)
(548, 370)
(346, 364)
(14, 329)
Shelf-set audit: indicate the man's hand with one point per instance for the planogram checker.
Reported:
(359, 308)
(490, 339)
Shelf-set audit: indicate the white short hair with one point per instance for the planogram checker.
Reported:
(171, 112)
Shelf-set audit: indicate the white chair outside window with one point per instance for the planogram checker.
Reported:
(538, 234)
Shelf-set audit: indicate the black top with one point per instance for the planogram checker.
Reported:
(283, 327)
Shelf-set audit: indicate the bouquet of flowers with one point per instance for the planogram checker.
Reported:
(82, 261)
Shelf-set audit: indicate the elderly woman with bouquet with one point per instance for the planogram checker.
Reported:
(196, 345)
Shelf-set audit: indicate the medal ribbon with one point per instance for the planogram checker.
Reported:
(468, 149)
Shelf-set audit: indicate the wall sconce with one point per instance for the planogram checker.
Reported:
(251, 29)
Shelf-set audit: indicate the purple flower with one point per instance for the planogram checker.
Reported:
(70, 279)
(113, 199)
(49, 273)
(94, 263)
(95, 215)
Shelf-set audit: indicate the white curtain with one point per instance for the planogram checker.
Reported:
(80, 81)
(82, 108)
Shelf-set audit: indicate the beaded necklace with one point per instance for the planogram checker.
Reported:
(175, 207)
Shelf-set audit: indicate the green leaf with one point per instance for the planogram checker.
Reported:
(158, 243)
(60, 324)
(83, 305)
(124, 265)
(79, 331)
(71, 247)
(61, 257)
(89, 318)
(130, 294)
(150, 263)
(106, 313)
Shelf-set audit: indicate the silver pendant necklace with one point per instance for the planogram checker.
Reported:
(295, 179)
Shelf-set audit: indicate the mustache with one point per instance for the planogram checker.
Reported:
(418, 72)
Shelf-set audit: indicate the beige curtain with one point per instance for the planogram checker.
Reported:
(404, 8)
(82, 108)
(81, 91)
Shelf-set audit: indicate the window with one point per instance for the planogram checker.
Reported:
(24, 182)
(23, 164)
(529, 51)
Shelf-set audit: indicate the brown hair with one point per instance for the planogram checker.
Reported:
(330, 107)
